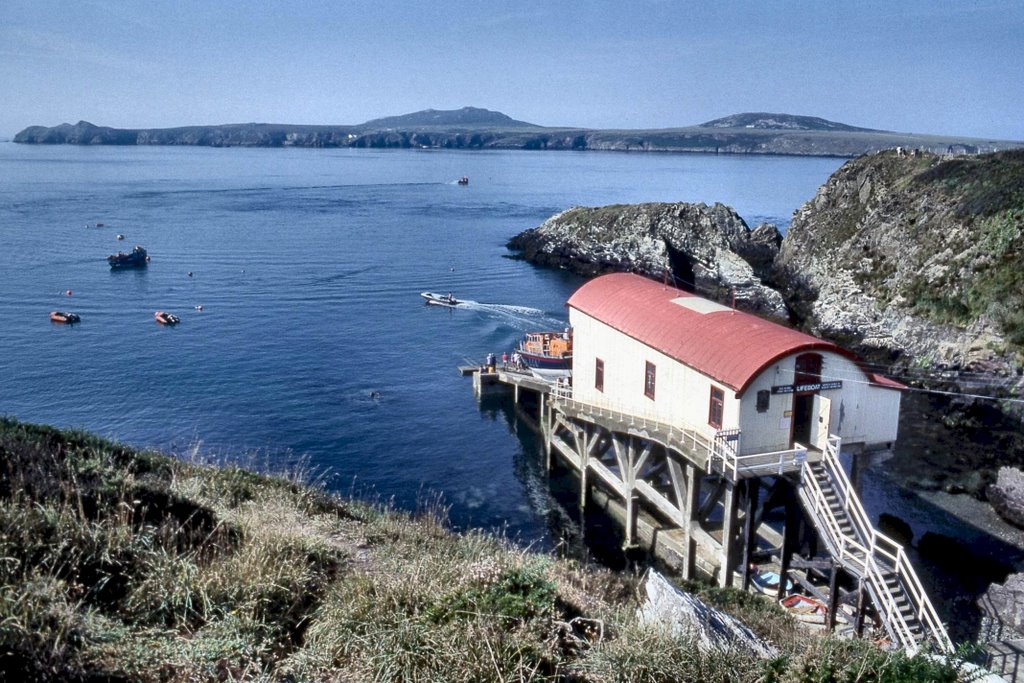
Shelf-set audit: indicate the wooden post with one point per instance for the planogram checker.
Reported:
(691, 503)
(584, 466)
(728, 557)
(753, 488)
(858, 618)
(789, 541)
(629, 479)
(833, 597)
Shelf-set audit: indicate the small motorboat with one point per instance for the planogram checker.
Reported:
(165, 318)
(136, 258)
(64, 317)
(464, 180)
(806, 609)
(441, 299)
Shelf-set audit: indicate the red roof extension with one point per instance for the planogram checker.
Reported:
(729, 346)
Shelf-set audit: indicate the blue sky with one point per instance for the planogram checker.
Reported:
(939, 67)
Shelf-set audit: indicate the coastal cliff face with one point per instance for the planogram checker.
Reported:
(916, 259)
(709, 250)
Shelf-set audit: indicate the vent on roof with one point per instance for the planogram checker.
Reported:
(699, 305)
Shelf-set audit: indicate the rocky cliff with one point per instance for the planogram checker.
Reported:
(918, 259)
(709, 250)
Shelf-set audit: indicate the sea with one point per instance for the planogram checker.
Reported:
(304, 344)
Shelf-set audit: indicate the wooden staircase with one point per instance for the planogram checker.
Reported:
(878, 562)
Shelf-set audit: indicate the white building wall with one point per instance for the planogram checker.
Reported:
(861, 413)
(682, 395)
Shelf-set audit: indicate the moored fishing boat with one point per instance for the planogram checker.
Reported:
(165, 318)
(64, 317)
(136, 258)
(548, 355)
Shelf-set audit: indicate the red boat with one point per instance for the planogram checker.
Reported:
(64, 317)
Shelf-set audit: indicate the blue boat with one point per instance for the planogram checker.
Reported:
(136, 258)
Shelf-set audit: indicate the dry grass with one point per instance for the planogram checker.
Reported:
(120, 566)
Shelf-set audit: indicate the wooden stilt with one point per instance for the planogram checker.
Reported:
(728, 557)
(691, 503)
(858, 619)
(753, 487)
(789, 541)
(833, 597)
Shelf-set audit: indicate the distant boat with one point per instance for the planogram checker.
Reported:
(548, 355)
(64, 317)
(441, 299)
(136, 258)
(464, 180)
(166, 318)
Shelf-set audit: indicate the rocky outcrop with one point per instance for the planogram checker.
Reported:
(916, 257)
(709, 250)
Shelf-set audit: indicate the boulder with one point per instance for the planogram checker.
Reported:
(896, 529)
(686, 615)
(1004, 605)
(1007, 495)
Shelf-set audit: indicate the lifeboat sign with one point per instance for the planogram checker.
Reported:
(810, 386)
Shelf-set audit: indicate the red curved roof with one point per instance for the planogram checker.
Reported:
(727, 345)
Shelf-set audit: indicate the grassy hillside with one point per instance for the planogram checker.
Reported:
(125, 566)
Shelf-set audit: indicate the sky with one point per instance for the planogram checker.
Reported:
(916, 66)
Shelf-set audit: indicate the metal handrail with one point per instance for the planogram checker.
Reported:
(874, 546)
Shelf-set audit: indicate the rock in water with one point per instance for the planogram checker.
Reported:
(706, 249)
(686, 615)
(1007, 495)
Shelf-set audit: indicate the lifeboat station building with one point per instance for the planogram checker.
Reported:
(654, 350)
(681, 412)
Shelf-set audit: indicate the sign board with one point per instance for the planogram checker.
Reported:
(803, 388)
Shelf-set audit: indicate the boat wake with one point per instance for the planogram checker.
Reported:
(521, 317)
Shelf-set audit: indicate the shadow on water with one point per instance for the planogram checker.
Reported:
(554, 496)
(956, 560)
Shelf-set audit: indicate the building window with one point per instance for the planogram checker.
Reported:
(717, 408)
(649, 380)
(599, 375)
(763, 400)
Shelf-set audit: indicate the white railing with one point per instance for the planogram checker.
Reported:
(866, 551)
(685, 437)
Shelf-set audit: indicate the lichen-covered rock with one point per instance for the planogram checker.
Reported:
(708, 249)
(1007, 495)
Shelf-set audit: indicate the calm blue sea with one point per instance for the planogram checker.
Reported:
(313, 343)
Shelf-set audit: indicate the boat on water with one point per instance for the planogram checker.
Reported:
(441, 299)
(165, 318)
(805, 608)
(64, 317)
(547, 355)
(464, 180)
(136, 258)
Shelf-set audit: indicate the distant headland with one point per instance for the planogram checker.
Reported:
(475, 128)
